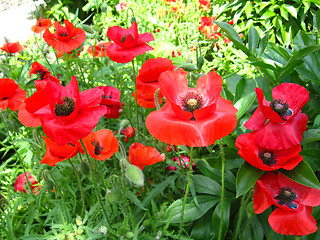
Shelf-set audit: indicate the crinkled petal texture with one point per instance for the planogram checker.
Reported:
(65, 39)
(56, 153)
(140, 155)
(249, 150)
(146, 94)
(101, 145)
(11, 95)
(173, 125)
(80, 122)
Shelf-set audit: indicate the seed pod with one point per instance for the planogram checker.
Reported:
(189, 67)
(104, 7)
(200, 62)
(87, 28)
(116, 195)
(135, 175)
(129, 235)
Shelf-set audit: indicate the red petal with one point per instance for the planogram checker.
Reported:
(28, 119)
(257, 120)
(261, 198)
(122, 55)
(145, 37)
(209, 86)
(152, 68)
(16, 99)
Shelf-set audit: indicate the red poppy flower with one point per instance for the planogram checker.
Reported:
(267, 159)
(289, 98)
(70, 115)
(68, 55)
(101, 145)
(56, 153)
(12, 47)
(41, 25)
(11, 95)
(183, 161)
(65, 39)
(100, 50)
(43, 75)
(209, 28)
(111, 99)
(21, 183)
(205, 5)
(128, 132)
(294, 202)
(192, 116)
(140, 155)
(127, 43)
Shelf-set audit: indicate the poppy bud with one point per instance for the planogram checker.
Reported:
(129, 235)
(104, 7)
(47, 185)
(116, 195)
(87, 28)
(133, 19)
(189, 67)
(124, 123)
(135, 175)
(200, 62)
(84, 168)
(37, 14)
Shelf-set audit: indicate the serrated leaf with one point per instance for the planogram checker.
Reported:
(135, 200)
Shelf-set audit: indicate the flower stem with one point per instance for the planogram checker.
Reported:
(136, 100)
(80, 186)
(222, 189)
(186, 193)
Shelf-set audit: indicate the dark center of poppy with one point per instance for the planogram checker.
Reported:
(106, 96)
(267, 158)
(40, 74)
(286, 196)
(63, 34)
(192, 101)
(39, 24)
(97, 147)
(281, 107)
(64, 107)
(125, 37)
(4, 98)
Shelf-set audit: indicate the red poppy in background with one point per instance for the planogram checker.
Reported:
(267, 159)
(56, 153)
(294, 202)
(141, 156)
(183, 161)
(43, 75)
(101, 145)
(41, 25)
(66, 38)
(209, 28)
(127, 43)
(288, 99)
(111, 99)
(194, 117)
(11, 95)
(21, 183)
(205, 5)
(128, 132)
(70, 114)
(100, 50)
(12, 47)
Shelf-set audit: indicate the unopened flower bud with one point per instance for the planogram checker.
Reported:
(104, 7)
(87, 28)
(135, 175)
(189, 67)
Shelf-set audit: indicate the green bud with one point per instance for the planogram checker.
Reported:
(104, 7)
(124, 123)
(87, 28)
(135, 175)
(200, 62)
(189, 67)
(146, 223)
(129, 235)
(47, 185)
(116, 195)
(109, 197)
(84, 168)
(133, 19)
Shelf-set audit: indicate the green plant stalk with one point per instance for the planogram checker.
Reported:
(98, 192)
(186, 193)
(247, 228)
(136, 100)
(80, 186)
(222, 189)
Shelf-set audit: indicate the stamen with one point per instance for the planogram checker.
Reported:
(267, 158)
(281, 107)
(63, 33)
(97, 147)
(286, 196)
(192, 101)
(65, 108)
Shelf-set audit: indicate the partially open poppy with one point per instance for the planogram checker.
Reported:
(12, 47)
(294, 202)
(21, 183)
(127, 43)
(56, 153)
(267, 159)
(11, 95)
(66, 38)
(141, 156)
(41, 25)
(100, 50)
(194, 117)
(43, 74)
(111, 99)
(101, 145)
(128, 132)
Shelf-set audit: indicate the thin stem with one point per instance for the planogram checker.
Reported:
(80, 186)
(270, 235)
(222, 189)
(186, 193)
(136, 100)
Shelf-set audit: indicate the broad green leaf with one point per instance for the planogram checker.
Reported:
(284, 13)
(311, 135)
(244, 104)
(303, 174)
(255, 230)
(268, 14)
(280, 50)
(316, 123)
(216, 218)
(192, 212)
(312, 157)
(247, 176)
(248, 9)
(201, 229)
(253, 39)
(203, 184)
(291, 9)
(316, 20)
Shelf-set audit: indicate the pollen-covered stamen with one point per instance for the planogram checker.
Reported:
(97, 147)
(281, 107)
(267, 158)
(286, 196)
(64, 107)
(191, 101)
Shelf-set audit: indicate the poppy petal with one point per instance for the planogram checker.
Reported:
(122, 55)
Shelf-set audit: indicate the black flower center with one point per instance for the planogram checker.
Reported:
(40, 74)
(281, 107)
(286, 196)
(267, 158)
(190, 102)
(125, 37)
(63, 34)
(106, 96)
(65, 107)
(39, 24)
(97, 147)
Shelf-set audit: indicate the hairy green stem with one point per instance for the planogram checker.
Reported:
(186, 193)
(222, 189)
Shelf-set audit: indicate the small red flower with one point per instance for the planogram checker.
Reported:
(205, 5)
(183, 161)
(294, 202)
(111, 99)
(11, 95)
(127, 43)
(191, 116)
(267, 159)
(21, 183)
(41, 25)
(43, 75)
(56, 153)
(100, 50)
(101, 145)
(128, 132)
(141, 156)
(66, 38)
(12, 47)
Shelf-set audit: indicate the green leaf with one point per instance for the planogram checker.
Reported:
(254, 39)
(216, 218)
(247, 176)
(135, 200)
(201, 229)
(244, 104)
(268, 14)
(316, 20)
(303, 174)
(203, 184)
(291, 9)
(248, 9)
(280, 50)
(311, 135)
(284, 13)
(312, 157)
(192, 212)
